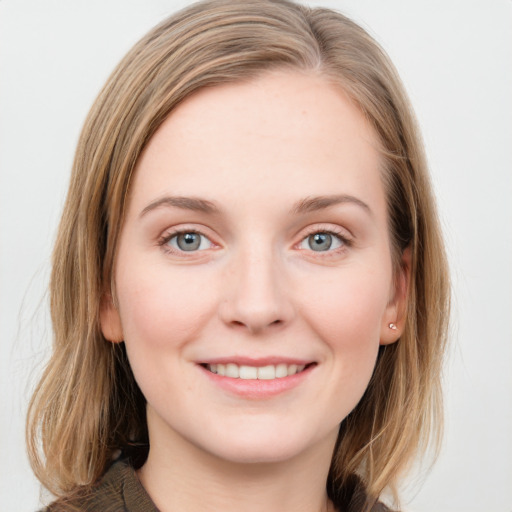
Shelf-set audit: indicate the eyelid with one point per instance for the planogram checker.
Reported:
(341, 233)
(170, 233)
(174, 242)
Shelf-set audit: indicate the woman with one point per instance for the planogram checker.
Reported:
(249, 290)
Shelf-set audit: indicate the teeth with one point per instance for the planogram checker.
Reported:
(281, 371)
(292, 369)
(248, 372)
(232, 370)
(268, 372)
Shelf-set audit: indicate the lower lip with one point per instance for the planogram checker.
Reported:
(258, 389)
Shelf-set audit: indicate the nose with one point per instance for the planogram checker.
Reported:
(256, 296)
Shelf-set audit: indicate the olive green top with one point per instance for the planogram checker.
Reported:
(121, 491)
(118, 491)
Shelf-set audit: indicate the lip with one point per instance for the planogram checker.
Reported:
(257, 389)
(258, 361)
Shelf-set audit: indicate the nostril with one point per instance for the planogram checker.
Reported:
(252, 325)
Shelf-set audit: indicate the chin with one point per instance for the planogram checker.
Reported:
(258, 453)
(272, 444)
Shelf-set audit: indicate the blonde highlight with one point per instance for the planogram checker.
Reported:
(87, 405)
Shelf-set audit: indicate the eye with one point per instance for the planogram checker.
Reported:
(189, 241)
(322, 242)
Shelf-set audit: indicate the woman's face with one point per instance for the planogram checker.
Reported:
(253, 276)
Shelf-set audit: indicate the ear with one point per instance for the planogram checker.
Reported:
(393, 322)
(110, 320)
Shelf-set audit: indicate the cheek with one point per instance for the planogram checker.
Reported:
(346, 311)
(159, 308)
(161, 311)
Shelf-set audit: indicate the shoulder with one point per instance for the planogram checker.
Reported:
(118, 491)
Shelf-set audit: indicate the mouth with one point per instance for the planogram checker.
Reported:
(248, 372)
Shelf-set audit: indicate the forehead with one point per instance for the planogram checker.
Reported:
(285, 133)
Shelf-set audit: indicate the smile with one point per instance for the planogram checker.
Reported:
(268, 372)
(257, 379)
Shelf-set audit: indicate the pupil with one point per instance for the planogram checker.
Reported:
(320, 241)
(188, 241)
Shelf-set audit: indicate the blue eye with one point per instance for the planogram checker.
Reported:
(189, 241)
(321, 242)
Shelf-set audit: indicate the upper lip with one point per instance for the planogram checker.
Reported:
(259, 361)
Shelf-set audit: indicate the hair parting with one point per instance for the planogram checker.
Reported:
(87, 405)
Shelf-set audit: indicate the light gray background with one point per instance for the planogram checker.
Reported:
(455, 57)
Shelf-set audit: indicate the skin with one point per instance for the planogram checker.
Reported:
(256, 152)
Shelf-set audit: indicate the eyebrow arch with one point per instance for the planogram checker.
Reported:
(185, 203)
(315, 203)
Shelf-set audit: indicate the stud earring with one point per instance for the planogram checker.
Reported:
(392, 326)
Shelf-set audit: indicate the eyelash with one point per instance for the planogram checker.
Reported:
(346, 242)
(167, 237)
(341, 235)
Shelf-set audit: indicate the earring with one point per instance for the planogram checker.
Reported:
(392, 326)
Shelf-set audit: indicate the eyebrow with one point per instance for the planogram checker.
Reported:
(185, 203)
(312, 204)
(306, 205)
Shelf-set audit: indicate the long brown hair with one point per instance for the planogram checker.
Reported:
(87, 405)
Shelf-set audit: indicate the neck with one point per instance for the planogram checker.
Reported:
(181, 476)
